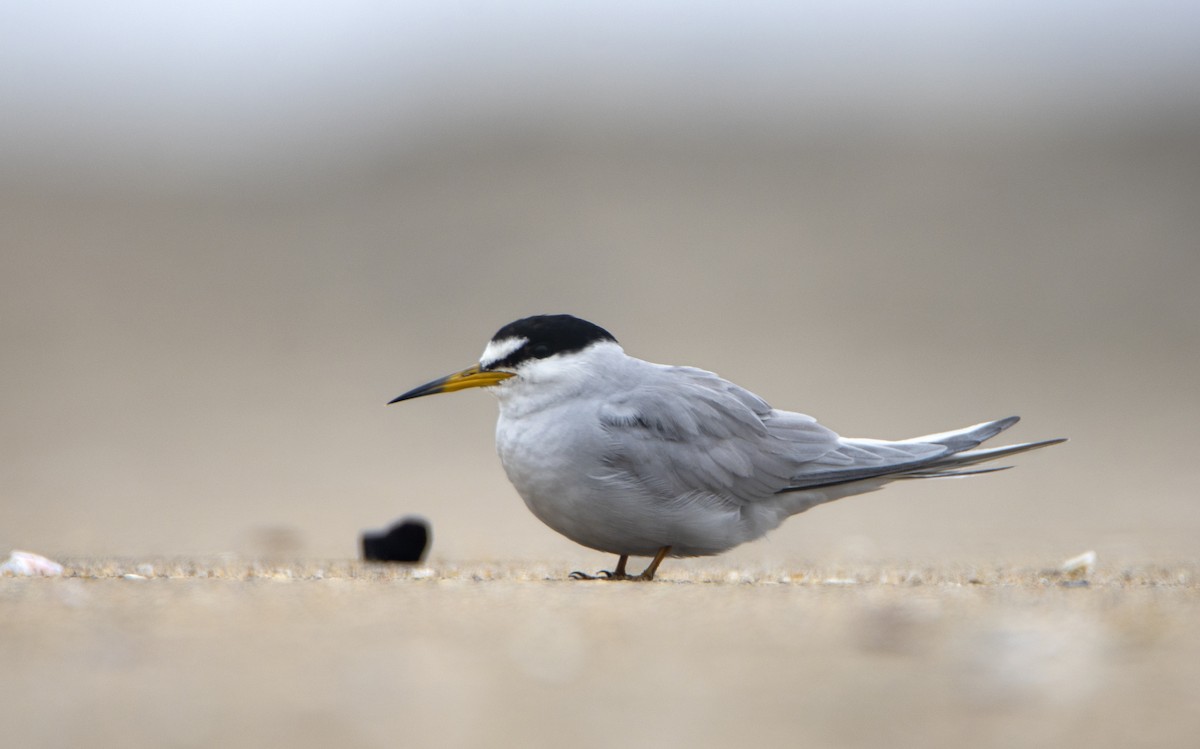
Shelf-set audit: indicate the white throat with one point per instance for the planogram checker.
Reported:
(543, 383)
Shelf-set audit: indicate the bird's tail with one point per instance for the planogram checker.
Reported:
(961, 443)
(868, 465)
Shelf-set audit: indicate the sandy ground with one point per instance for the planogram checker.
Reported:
(196, 361)
(230, 652)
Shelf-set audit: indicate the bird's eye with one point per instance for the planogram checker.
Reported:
(541, 351)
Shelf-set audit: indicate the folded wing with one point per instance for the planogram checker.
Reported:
(684, 434)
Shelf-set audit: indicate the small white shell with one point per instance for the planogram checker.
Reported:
(27, 563)
(1080, 565)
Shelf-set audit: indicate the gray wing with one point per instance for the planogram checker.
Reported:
(684, 433)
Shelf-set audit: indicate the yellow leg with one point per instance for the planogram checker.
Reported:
(658, 559)
(620, 570)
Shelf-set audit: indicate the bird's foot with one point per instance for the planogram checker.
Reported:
(620, 574)
(617, 574)
(610, 575)
(602, 575)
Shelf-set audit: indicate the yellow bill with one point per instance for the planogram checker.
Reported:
(472, 377)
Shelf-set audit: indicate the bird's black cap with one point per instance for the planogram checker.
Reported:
(547, 335)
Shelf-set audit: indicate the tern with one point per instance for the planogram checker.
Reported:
(639, 459)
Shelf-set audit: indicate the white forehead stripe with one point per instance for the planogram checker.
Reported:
(497, 350)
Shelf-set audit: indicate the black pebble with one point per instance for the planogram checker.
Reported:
(406, 541)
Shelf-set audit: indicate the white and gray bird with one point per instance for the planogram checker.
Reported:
(641, 459)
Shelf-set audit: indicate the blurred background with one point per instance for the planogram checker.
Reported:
(230, 232)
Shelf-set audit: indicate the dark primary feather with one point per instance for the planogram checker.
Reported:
(906, 455)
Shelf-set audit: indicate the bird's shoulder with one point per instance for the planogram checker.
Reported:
(678, 402)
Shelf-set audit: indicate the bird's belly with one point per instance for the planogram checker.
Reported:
(560, 473)
(554, 469)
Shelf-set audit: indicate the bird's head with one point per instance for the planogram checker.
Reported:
(521, 349)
